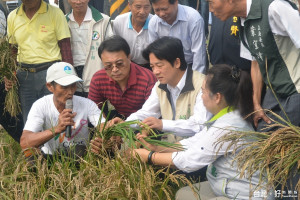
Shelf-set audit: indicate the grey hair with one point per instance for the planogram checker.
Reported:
(130, 1)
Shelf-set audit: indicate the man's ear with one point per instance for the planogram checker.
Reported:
(50, 87)
(177, 63)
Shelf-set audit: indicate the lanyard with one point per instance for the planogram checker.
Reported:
(220, 114)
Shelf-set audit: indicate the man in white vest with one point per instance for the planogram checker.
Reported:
(175, 104)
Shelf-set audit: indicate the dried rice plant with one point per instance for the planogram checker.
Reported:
(8, 68)
(96, 177)
(274, 154)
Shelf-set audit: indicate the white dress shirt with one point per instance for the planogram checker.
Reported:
(189, 28)
(180, 127)
(283, 20)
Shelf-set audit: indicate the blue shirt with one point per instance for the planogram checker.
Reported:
(189, 28)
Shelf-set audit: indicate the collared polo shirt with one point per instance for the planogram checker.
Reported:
(79, 39)
(138, 89)
(37, 38)
(137, 41)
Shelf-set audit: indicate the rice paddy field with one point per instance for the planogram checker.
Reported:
(92, 177)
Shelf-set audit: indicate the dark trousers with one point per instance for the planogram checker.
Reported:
(13, 126)
(32, 85)
(291, 106)
(80, 91)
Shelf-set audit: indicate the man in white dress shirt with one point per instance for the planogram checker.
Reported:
(183, 22)
(176, 97)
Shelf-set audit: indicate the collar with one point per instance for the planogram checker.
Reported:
(96, 15)
(132, 80)
(180, 84)
(43, 8)
(254, 11)
(181, 15)
(222, 112)
(188, 82)
(145, 27)
(88, 15)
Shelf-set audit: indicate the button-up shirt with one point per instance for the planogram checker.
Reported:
(189, 127)
(189, 28)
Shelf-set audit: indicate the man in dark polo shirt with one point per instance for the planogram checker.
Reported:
(124, 84)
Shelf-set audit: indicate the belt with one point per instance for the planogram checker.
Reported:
(34, 68)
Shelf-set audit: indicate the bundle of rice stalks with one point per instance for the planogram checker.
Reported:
(125, 131)
(8, 68)
(274, 154)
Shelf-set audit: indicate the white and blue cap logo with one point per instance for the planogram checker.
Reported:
(62, 73)
(68, 69)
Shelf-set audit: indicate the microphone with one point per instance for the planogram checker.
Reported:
(69, 105)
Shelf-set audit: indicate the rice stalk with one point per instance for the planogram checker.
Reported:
(8, 69)
(96, 177)
(127, 133)
(273, 154)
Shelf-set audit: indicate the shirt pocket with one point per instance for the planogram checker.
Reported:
(46, 33)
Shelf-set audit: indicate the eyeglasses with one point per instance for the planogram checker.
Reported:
(118, 65)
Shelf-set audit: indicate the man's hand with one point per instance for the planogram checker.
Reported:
(65, 119)
(116, 120)
(260, 114)
(110, 123)
(153, 123)
(113, 143)
(96, 145)
(8, 84)
(141, 137)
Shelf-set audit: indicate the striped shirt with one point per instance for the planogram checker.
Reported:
(137, 91)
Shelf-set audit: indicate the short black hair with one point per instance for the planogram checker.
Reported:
(170, 1)
(167, 48)
(114, 44)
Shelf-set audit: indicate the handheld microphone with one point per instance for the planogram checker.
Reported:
(69, 105)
